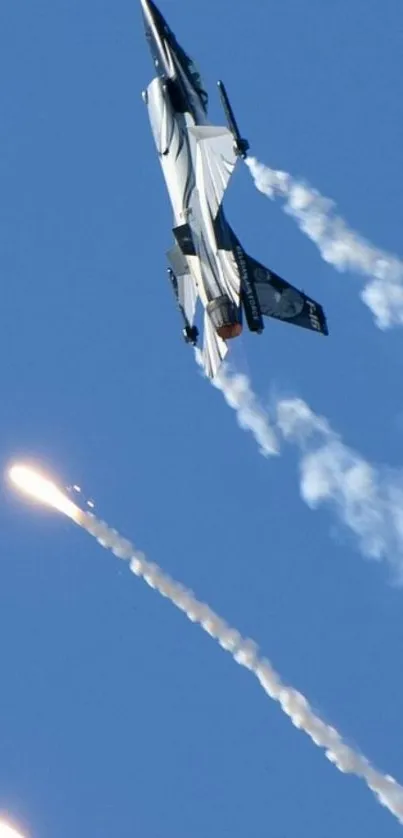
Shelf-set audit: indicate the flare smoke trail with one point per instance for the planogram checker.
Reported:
(338, 245)
(239, 395)
(245, 652)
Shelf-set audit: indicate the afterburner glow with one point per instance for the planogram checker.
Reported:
(42, 489)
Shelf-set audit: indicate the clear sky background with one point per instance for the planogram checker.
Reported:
(118, 717)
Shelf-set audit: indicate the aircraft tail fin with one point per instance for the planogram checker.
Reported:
(276, 297)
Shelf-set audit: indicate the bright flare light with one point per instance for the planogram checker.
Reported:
(39, 487)
(8, 832)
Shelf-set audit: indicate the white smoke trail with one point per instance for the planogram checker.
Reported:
(239, 395)
(338, 245)
(368, 500)
(245, 652)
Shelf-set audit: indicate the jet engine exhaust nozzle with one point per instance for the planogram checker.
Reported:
(225, 317)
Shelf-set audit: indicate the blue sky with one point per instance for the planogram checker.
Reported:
(116, 715)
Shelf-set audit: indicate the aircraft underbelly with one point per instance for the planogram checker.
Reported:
(213, 271)
(219, 267)
(174, 146)
(211, 171)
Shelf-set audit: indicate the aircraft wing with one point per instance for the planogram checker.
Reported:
(214, 349)
(215, 162)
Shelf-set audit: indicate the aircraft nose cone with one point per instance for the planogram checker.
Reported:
(145, 8)
(153, 20)
(147, 14)
(150, 10)
(158, 35)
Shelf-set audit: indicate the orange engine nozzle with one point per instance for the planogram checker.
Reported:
(229, 331)
(225, 317)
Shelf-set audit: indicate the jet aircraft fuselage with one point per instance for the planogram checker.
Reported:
(207, 262)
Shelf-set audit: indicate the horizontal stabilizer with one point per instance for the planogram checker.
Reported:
(187, 297)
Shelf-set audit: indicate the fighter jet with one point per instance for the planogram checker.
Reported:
(207, 261)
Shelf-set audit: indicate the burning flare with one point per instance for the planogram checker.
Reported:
(42, 489)
(243, 650)
(7, 831)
